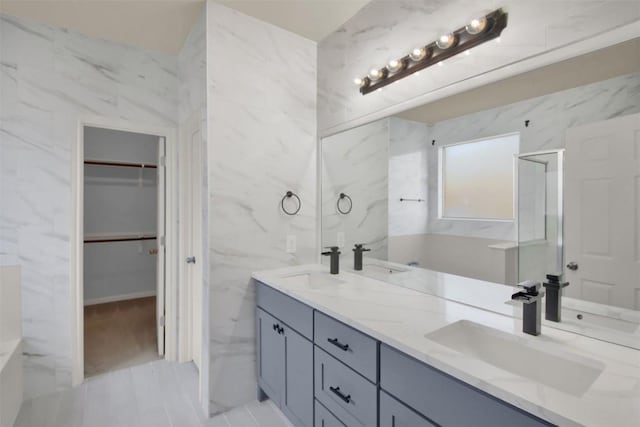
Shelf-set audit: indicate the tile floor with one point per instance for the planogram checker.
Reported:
(156, 394)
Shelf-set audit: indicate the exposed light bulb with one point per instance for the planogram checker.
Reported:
(476, 26)
(440, 64)
(394, 65)
(375, 74)
(498, 40)
(357, 81)
(418, 53)
(445, 41)
(467, 52)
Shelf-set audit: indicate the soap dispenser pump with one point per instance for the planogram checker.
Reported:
(334, 254)
(553, 307)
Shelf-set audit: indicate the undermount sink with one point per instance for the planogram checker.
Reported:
(583, 318)
(314, 279)
(565, 372)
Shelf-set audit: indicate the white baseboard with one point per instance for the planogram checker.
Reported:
(120, 297)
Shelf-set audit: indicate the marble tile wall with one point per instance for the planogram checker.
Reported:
(49, 77)
(356, 162)
(385, 30)
(261, 102)
(408, 152)
(550, 116)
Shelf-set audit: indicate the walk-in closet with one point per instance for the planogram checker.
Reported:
(123, 207)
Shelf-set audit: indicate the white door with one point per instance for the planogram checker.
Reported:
(160, 299)
(602, 206)
(191, 228)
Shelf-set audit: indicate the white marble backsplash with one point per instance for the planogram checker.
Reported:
(49, 78)
(261, 102)
(355, 163)
(385, 30)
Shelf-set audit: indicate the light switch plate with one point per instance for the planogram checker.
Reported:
(340, 239)
(291, 244)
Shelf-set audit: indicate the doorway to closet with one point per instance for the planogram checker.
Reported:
(123, 255)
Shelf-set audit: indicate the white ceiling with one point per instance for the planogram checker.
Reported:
(163, 25)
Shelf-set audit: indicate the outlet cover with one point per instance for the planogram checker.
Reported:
(291, 244)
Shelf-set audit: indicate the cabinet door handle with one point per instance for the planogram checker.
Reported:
(337, 392)
(275, 327)
(334, 341)
(280, 330)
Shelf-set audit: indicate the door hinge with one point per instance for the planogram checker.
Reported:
(162, 321)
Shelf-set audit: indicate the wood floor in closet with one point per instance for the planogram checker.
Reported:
(119, 335)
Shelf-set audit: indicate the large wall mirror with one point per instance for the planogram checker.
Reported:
(533, 175)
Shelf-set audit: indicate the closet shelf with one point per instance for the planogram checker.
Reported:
(118, 238)
(120, 164)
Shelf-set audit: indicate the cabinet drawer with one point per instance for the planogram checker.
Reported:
(444, 399)
(324, 418)
(295, 314)
(395, 414)
(347, 394)
(351, 347)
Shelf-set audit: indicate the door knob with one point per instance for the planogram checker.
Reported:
(191, 260)
(573, 266)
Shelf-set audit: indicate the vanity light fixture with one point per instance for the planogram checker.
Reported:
(475, 33)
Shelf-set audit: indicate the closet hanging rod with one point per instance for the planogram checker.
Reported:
(120, 164)
(117, 239)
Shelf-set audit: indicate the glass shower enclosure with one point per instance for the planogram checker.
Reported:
(540, 214)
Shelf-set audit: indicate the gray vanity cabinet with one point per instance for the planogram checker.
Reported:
(297, 402)
(324, 418)
(443, 399)
(285, 356)
(271, 356)
(395, 414)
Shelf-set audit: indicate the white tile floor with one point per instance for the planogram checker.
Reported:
(156, 394)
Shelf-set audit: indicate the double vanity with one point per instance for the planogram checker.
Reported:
(365, 350)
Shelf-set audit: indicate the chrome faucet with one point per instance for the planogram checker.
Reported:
(531, 297)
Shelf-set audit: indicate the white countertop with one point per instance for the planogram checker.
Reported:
(497, 298)
(400, 317)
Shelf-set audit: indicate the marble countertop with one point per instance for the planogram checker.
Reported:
(497, 298)
(401, 317)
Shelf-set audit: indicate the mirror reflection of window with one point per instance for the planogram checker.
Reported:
(477, 179)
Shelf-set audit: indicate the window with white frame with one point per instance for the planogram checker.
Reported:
(477, 178)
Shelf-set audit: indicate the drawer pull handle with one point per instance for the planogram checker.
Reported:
(336, 391)
(337, 343)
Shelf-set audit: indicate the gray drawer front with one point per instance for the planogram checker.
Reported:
(361, 409)
(443, 399)
(395, 414)
(295, 314)
(324, 418)
(361, 353)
